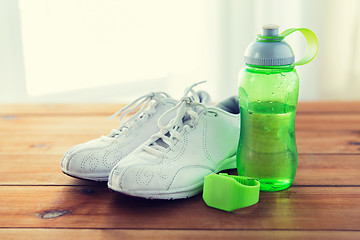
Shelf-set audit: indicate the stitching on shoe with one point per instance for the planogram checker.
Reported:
(81, 151)
(127, 169)
(186, 140)
(91, 164)
(101, 148)
(148, 177)
(185, 136)
(119, 148)
(188, 166)
(183, 150)
(116, 160)
(107, 146)
(209, 158)
(122, 176)
(138, 132)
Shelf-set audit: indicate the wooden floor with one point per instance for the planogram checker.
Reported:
(37, 201)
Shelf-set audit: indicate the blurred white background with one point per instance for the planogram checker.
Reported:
(116, 50)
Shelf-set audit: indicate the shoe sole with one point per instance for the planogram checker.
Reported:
(96, 178)
(92, 177)
(186, 192)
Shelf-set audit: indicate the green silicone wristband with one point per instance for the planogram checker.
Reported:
(228, 192)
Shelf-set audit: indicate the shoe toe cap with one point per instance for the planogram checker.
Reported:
(115, 177)
(69, 157)
(83, 159)
(134, 178)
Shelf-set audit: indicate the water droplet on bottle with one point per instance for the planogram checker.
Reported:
(273, 94)
(258, 101)
(250, 112)
(271, 102)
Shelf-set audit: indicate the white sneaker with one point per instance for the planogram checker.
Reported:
(172, 164)
(94, 160)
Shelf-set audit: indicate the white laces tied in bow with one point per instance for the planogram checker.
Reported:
(168, 133)
(144, 101)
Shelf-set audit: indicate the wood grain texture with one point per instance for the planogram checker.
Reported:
(37, 201)
(328, 142)
(310, 208)
(327, 122)
(44, 169)
(57, 124)
(101, 234)
(109, 108)
(308, 142)
(342, 107)
(82, 124)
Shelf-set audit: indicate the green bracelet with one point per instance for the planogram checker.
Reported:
(228, 192)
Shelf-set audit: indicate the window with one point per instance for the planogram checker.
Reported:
(74, 44)
(117, 50)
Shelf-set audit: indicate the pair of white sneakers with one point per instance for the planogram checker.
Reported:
(165, 149)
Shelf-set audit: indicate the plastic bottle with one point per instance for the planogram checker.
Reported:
(268, 96)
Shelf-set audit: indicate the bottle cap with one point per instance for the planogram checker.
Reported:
(269, 49)
(228, 192)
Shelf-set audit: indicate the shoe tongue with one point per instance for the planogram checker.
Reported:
(161, 142)
(204, 98)
(186, 120)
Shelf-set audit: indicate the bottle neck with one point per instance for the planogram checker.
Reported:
(269, 69)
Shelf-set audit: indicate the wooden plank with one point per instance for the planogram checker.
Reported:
(109, 108)
(42, 143)
(327, 122)
(58, 124)
(329, 107)
(313, 142)
(34, 170)
(328, 170)
(308, 208)
(101, 234)
(308, 142)
(332, 170)
(33, 139)
(100, 124)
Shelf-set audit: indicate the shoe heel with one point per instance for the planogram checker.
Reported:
(228, 163)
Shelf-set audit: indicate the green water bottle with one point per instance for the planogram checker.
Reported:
(268, 96)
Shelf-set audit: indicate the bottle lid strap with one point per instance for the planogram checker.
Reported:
(312, 44)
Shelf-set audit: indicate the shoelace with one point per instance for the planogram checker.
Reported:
(130, 123)
(168, 133)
